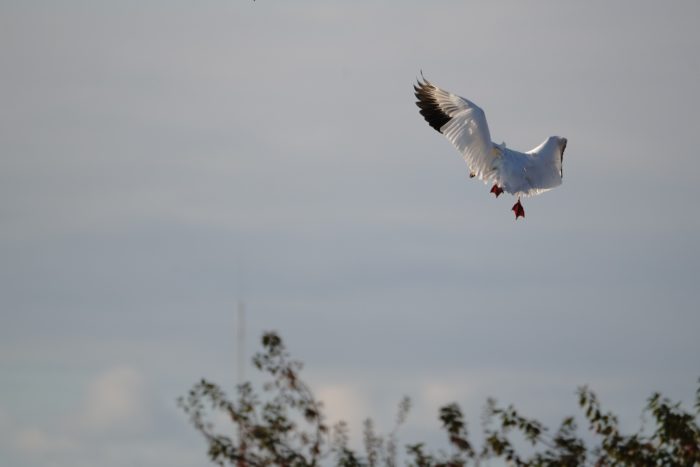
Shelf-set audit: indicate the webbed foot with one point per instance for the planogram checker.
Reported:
(518, 210)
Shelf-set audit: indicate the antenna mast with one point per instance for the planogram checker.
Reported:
(240, 343)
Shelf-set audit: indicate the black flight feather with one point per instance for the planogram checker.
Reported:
(429, 108)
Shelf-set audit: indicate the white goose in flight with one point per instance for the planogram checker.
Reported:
(464, 124)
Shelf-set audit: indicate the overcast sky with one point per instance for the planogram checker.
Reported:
(161, 160)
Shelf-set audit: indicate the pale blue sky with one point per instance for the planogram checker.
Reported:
(161, 160)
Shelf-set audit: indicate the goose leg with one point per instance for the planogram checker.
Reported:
(496, 190)
(518, 210)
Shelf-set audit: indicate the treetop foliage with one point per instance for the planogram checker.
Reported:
(284, 425)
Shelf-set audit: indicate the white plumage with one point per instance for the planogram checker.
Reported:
(464, 124)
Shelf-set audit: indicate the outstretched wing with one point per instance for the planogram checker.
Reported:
(463, 123)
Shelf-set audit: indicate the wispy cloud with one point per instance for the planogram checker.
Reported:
(115, 399)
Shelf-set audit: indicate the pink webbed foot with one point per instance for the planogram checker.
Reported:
(496, 190)
(518, 210)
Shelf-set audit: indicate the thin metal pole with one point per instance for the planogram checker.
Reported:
(240, 372)
(240, 343)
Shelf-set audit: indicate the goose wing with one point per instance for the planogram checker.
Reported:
(463, 123)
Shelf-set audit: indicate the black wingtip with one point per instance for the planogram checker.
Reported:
(428, 105)
(561, 158)
(422, 80)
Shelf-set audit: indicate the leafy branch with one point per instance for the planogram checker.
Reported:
(284, 425)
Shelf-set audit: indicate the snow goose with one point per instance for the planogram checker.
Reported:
(463, 123)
